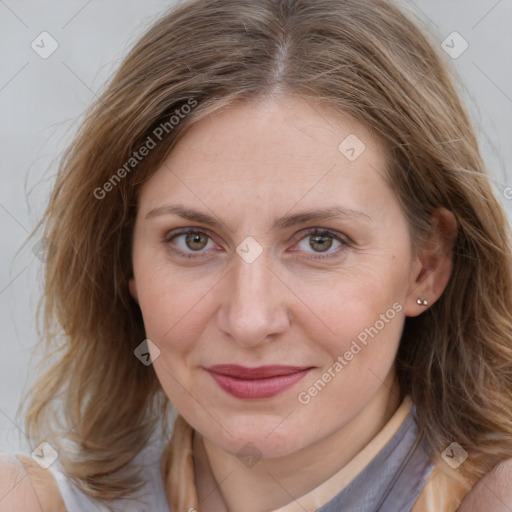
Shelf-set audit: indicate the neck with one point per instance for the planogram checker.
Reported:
(224, 485)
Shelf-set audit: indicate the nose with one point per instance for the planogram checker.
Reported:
(254, 310)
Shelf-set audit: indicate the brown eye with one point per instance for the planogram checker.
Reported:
(318, 242)
(196, 241)
(321, 243)
(187, 242)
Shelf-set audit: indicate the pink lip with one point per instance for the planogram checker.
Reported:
(260, 382)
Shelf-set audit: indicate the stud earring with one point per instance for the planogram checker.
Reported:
(422, 302)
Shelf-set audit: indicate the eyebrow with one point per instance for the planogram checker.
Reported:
(287, 221)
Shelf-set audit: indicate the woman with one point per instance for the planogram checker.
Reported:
(275, 218)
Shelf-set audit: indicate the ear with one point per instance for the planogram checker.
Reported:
(434, 263)
(133, 289)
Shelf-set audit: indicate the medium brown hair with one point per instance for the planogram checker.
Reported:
(364, 59)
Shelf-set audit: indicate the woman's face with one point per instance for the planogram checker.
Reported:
(252, 285)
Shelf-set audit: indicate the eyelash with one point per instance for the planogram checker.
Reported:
(313, 231)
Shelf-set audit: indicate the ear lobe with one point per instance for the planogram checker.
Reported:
(133, 289)
(435, 259)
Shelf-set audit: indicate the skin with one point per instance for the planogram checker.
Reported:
(493, 492)
(246, 166)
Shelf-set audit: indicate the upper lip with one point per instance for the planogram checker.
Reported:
(259, 372)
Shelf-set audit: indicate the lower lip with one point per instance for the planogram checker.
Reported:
(257, 388)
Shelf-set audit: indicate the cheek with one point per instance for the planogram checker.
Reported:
(173, 305)
(347, 303)
(364, 313)
(360, 355)
(172, 311)
(366, 339)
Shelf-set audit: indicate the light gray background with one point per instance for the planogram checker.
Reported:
(41, 101)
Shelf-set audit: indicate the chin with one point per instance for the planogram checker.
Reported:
(258, 439)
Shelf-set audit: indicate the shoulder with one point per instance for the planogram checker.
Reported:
(27, 487)
(492, 493)
(16, 489)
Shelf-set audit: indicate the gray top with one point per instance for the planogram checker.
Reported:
(394, 479)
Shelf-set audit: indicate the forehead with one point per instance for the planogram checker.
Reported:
(276, 151)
